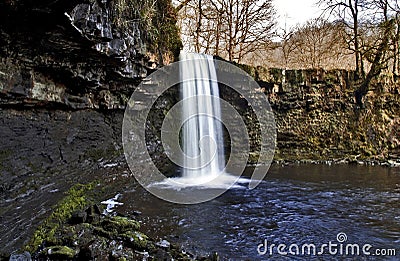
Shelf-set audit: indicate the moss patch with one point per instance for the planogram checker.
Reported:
(136, 239)
(59, 252)
(156, 18)
(120, 224)
(75, 199)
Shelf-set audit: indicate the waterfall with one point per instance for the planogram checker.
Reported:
(201, 155)
(192, 132)
(202, 133)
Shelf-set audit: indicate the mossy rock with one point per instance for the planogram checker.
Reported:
(119, 225)
(59, 253)
(104, 233)
(67, 235)
(176, 251)
(136, 240)
(74, 200)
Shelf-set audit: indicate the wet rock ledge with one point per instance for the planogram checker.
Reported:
(77, 229)
(89, 235)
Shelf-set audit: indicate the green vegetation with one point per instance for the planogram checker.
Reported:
(167, 36)
(137, 240)
(120, 224)
(65, 237)
(59, 252)
(156, 18)
(75, 199)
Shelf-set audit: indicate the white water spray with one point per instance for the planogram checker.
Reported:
(202, 141)
(202, 134)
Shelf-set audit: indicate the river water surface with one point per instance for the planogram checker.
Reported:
(299, 204)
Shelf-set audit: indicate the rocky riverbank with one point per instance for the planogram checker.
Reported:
(95, 234)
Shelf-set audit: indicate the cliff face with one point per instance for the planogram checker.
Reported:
(78, 54)
(65, 66)
(318, 118)
(91, 54)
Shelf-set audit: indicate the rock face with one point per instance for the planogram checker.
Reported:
(318, 118)
(66, 69)
(72, 54)
(44, 152)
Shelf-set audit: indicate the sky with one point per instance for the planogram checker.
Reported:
(295, 11)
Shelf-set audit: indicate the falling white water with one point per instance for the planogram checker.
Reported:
(202, 140)
(202, 137)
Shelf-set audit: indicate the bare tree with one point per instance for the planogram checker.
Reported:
(318, 42)
(373, 32)
(287, 45)
(232, 29)
(385, 11)
(349, 12)
(378, 63)
(314, 44)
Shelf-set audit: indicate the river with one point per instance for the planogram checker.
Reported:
(295, 205)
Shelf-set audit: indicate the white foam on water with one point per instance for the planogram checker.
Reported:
(215, 181)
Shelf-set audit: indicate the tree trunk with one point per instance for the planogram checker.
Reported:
(376, 66)
(396, 50)
(198, 29)
(359, 73)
